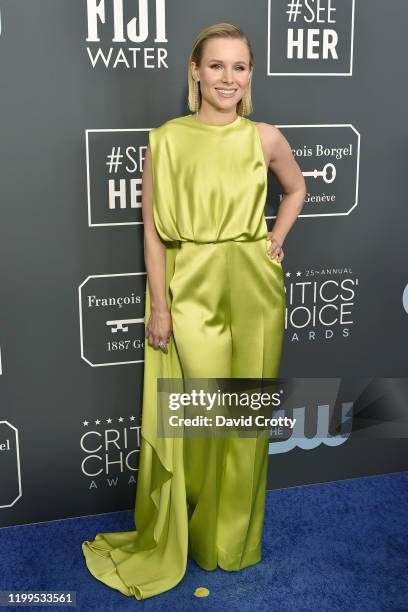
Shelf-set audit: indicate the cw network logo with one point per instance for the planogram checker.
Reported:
(298, 437)
(405, 298)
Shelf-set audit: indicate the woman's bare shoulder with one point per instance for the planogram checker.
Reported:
(269, 131)
(271, 137)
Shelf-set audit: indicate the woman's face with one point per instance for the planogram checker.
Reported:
(224, 72)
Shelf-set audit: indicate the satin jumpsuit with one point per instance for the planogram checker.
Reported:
(202, 498)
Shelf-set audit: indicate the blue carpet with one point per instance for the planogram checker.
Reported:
(327, 547)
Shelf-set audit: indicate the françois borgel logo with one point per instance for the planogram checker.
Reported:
(10, 473)
(111, 315)
(329, 157)
(310, 37)
(114, 169)
(121, 34)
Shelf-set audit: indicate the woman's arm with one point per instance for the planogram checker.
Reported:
(287, 171)
(159, 325)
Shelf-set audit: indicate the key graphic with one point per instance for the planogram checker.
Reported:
(323, 173)
(122, 324)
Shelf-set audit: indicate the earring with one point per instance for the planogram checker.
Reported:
(245, 108)
(245, 98)
(196, 95)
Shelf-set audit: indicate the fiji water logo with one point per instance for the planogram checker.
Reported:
(127, 34)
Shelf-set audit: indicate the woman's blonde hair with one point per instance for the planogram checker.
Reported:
(219, 30)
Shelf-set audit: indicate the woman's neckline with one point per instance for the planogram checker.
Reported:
(216, 127)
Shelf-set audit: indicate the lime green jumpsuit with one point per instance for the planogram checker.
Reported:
(202, 497)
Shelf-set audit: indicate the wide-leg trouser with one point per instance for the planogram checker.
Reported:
(228, 306)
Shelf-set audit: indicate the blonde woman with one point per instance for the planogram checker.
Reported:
(215, 306)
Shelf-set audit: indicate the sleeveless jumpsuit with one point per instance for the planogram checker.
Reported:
(202, 497)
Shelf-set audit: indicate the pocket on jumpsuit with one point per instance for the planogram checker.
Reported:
(267, 246)
(278, 276)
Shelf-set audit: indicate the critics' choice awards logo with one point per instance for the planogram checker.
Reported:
(119, 36)
(111, 448)
(310, 37)
(320, 304)
(111, 316)
(114, 168)
(329, 157)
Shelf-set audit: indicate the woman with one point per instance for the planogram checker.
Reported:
(215, 304)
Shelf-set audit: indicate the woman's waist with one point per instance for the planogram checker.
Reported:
(186, 241)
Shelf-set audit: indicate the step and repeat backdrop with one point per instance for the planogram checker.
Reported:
(81, 84)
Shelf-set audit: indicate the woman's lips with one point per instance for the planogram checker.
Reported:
(226, 93)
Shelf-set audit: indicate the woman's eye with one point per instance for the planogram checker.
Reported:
(217, 65)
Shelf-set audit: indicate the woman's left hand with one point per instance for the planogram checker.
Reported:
(275, 250)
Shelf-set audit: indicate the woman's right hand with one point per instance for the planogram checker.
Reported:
(159, 327)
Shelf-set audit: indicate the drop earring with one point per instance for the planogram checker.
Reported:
(244, 105)
(196, 95)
